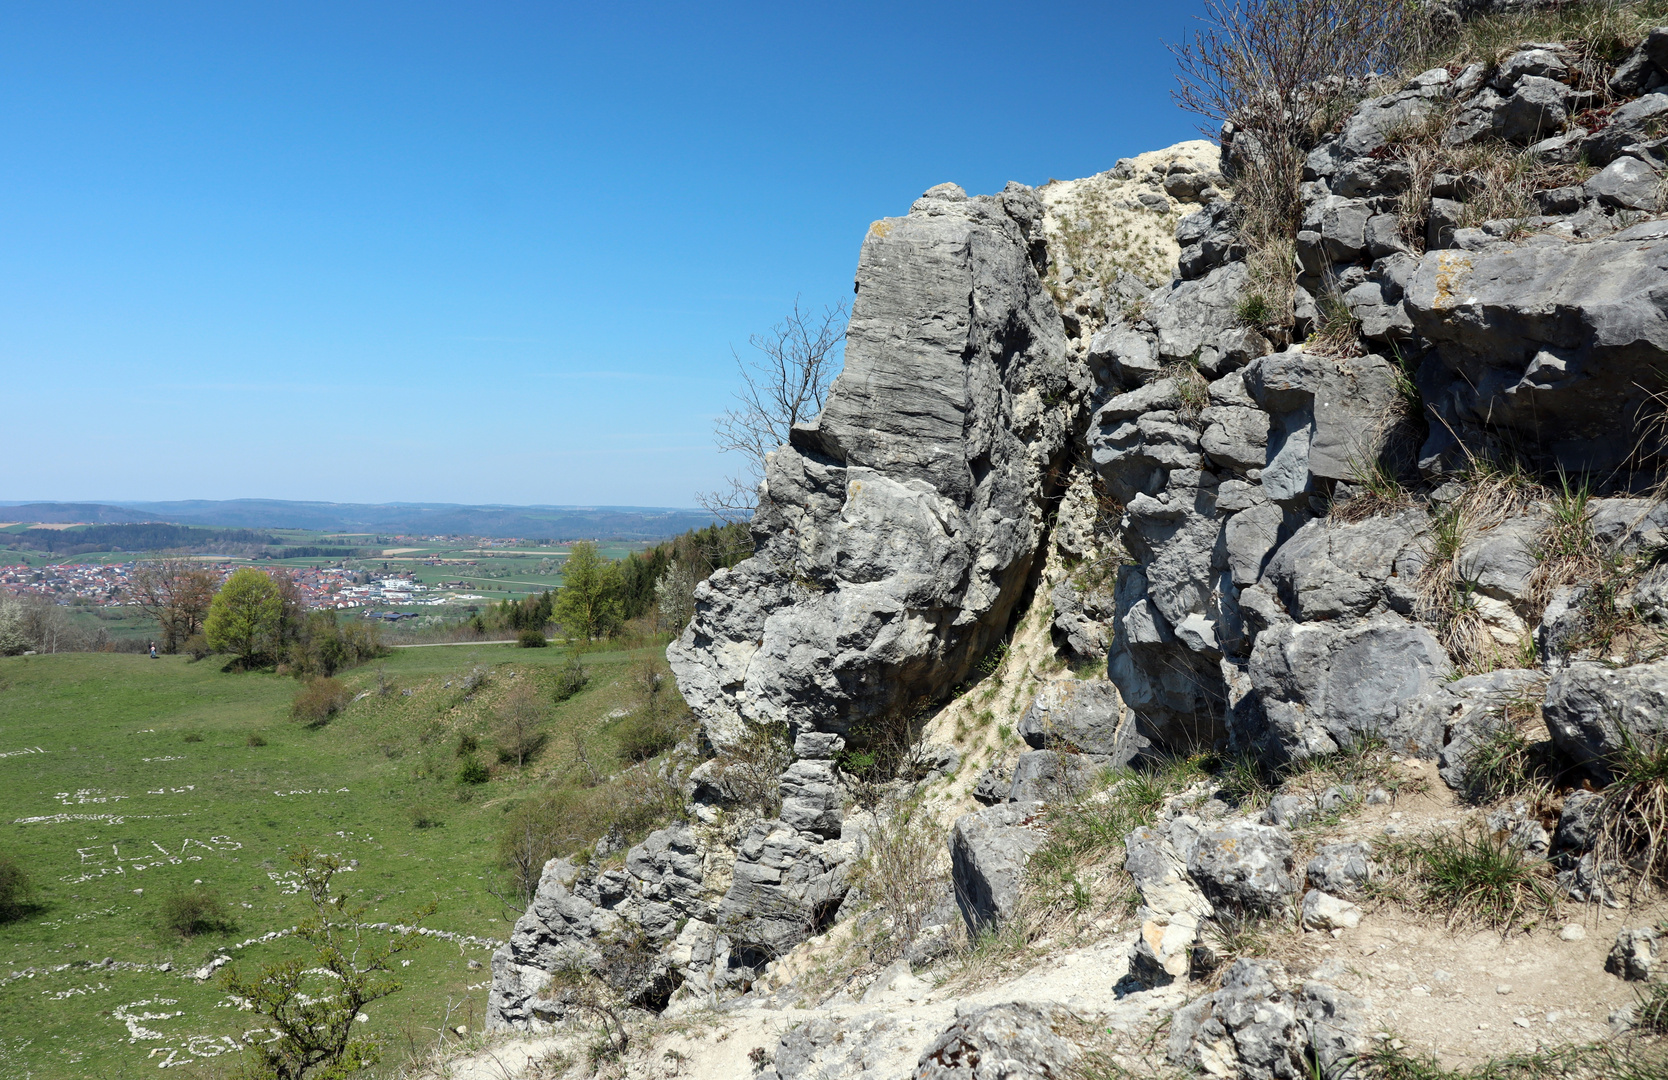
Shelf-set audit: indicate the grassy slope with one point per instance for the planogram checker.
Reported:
(212, 810)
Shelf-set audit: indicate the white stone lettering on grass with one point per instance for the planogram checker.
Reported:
(20, 753)
(95, 863)
(98, 914)
(108, 819)
(136, 1029)
(310, 791)
(176, 757)
(74, 991)
(87, 795)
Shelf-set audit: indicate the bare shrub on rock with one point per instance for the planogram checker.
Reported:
(799, 358)
(1273, 76)
(749, 771)
(904, 872)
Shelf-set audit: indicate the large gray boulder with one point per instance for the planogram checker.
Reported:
(670, 866)
(1325, 686)
(835, 1048)
(988, 852)
(559, 929)
(787, 887)
(1171, 904)
(1055, 775)
(1254, 1027)
(1634, 954)
(1241, 865)
(811, 798)
(1247, 1028)
(1341, 869)
(1594, 712)
(1462, 716)
(897, 531)
(1082, 715)
(1190, 315)
(1331, 417)
(1331, 570)
(1554, 342)
(1019, 1040)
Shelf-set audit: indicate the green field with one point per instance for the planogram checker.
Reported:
(123, 774)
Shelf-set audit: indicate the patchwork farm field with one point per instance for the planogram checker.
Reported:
(124, 781)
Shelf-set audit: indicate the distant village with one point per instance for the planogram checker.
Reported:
(109, 585)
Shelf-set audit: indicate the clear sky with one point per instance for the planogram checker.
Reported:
(481, 251)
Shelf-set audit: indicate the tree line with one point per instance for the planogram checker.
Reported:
(650, 591)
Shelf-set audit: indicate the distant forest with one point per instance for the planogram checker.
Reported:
(149, 536)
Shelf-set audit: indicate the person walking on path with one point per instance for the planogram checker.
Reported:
(153, 650)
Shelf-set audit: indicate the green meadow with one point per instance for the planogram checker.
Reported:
(124, 781)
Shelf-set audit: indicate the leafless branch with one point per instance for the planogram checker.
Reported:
(1271, 76)
(786, 385)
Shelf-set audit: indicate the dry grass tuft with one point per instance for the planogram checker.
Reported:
(1447, 602)
(1633, 820)
(1192, 390)
(1334, 333)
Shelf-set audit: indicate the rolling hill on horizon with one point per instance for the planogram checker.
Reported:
(533, 522)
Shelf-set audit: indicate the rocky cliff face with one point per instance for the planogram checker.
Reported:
(1280, 549)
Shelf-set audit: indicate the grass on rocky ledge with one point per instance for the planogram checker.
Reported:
(126, 781)
(1626, 1059)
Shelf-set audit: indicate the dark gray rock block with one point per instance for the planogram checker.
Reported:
(1331, 570)
(1341, 869)
(1055, 776)
(1594, 711)
(1578, 823)
(1085, 716)
(1634, 955)
(1016, 1041)
(993, 785)
(1241, 865)
(988, 852)
(1626, 184)
(1324, 686)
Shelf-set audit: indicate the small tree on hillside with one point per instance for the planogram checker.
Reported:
(244, 615)
(176, 593)
(14, 633)
(519, 730)
(312, 1003)
(588, 606)
(799, 358)
(675, 596)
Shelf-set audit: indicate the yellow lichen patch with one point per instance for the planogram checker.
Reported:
(1451, 268)
(880, 229)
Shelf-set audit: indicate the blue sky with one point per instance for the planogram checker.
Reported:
(481, 252)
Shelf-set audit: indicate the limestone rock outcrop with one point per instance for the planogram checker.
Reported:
(897, 530)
